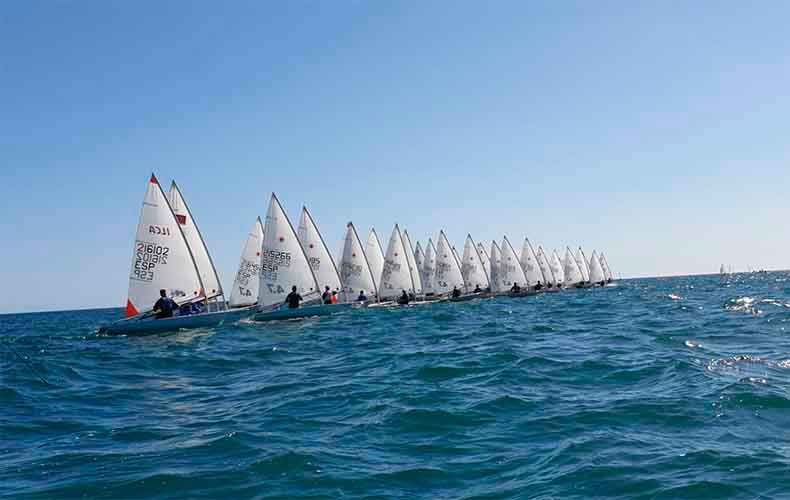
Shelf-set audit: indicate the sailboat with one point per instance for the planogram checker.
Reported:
(419, 261)
(285, 264)
(597, 276)
(208, 273)
(318, 255)
(529, 263)
(510, 271)
(581, 260)
(545, 268)
(495, 277)
(244, 293)
(572, 271)
(355, 272)
(429, 268)
(448, 269)
(473, 272)
(375, 255)
(557, 268)
(395, 277)
(161, 260)
(606, 269)
(413, 270)
(481, 250)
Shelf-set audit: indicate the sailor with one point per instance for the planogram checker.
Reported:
(538, 285)
(333, 297)
(326, 296)
(477, 289)
(164, 306)
(362, 297)
(515, 288)
(293, 299)
(404, 298)
(456, 292)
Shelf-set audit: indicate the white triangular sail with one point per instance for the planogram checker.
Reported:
(557, 268)
(495, 276)
(529, 262)
(208, 273)
(448, 269)
(581, 260)
(545, 268)
(572, 270)
(510, 271)
(355, 272)
(318, 255)
(246, 283)
(472, 268)
(607, 270)
(375, 255)
(413, 269)
(395, 278)
(481, 250)
(161, 258)
(419, 259)
(596, 271)
(429, 268)
(283, 261)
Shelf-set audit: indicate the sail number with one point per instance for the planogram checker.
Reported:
(146, 257)
(160, 230)
(271, 260)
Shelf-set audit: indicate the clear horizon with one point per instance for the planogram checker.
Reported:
(653, 133)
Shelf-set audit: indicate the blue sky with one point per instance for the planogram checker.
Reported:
(655, 131)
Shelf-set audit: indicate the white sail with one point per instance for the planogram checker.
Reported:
(355, 272)
(317, 253)
(161, 258)
(375, 255)
(596, 271)
(606, 269)
(581, 261)
(481, 250)
(246, 282)
(415, 272)
(283, 261)
(585, 264)
(419, 259)
(557, 268)
(472, 268)
(545, 268)
(395, 277)
(572, 270)
(429, 268)
(448, 269)
(510, 271)
(208, 273)
(495, 277)
(529, 262)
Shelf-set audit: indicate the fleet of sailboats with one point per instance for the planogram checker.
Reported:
(279, 264)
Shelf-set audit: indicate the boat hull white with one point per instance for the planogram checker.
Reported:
(149, 326)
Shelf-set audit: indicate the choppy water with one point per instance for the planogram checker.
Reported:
(655, 388)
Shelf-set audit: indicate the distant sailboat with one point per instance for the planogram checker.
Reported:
(607, 271)
(481, 250)
(396, 277)
(429, 268)
(245, 285)
(529, 263)
(545, 268)
(355, 272)
(448, 269)
(557, 268)
(321, 261)
(413, 269)
(510, 270)
(597, 276)
(474, 273)
(581, 261)
(495, 277)
(572, 270)
(419, 260)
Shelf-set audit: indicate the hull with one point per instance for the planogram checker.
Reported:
(470, 296)
(523, 293)
(240, 313)
(301, 312)
(150, 326)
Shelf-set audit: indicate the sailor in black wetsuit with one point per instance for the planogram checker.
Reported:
(538, 285)
(326, 297)
(456, 292)
(404, 298)
(362, 297)
(515, 288)
(165, 306)
(477, 289)
(293, 299)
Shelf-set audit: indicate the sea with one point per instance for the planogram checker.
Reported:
(649, 388)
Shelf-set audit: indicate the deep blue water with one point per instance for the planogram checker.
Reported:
(654, 388)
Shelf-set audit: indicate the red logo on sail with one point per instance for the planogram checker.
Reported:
(182, 219)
